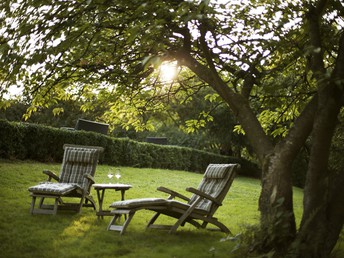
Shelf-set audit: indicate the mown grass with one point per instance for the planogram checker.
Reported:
(83, 235)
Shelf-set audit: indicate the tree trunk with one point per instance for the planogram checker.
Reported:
(276, 203)
(323, 214)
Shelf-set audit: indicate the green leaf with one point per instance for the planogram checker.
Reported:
(58, 111)
(238, 129)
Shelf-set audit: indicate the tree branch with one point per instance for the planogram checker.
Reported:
(302, 128)
(239, 105)
(314, 16)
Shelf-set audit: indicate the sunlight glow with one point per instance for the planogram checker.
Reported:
(168, 71)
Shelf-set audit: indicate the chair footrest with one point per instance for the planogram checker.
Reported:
(46, 207)
(115, 227)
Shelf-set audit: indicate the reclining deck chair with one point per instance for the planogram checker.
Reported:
(200, 207)
(76, 177)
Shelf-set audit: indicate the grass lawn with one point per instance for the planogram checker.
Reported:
(82, 235)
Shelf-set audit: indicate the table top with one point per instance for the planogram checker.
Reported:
(112, 186)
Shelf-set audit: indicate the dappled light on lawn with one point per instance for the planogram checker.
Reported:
(78, 228)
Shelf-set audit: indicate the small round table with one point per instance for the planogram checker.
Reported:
(100, 188)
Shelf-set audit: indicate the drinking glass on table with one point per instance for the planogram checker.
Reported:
(110, 175)
(118, 174)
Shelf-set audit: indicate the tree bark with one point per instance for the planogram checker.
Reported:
(276, 199)
(323, 214)
(276, 202)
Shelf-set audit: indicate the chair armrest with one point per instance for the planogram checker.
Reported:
(202, 194)
(172, 193)
(90, 178)
(51, 175)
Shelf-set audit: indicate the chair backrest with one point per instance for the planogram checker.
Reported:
(216, 182)
(77, 162)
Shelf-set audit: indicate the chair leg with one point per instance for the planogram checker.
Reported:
(44, 209)
(179, 222)
(56, 204)
(33, 202)
(60, 201)
(41, 202)
(183, 218)
(116, 217)
(91, 200)
(192, 222)
(204, 224)
(127, 221)
(113, 221)
(153, 219)
(221, 226)
(80, 204)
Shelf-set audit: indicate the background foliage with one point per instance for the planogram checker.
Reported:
(43, 143)
(177, 123)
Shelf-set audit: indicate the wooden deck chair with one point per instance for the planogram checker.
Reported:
(198, 210)
(75, 180)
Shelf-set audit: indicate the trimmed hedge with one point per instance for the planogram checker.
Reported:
(45, 144)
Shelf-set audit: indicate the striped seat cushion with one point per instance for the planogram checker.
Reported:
(214, 182)
(135, 203)
(79, 155)
(53, 188)
(77, 162)
(216, 171)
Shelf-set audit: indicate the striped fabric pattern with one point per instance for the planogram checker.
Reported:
(77, 162)
(215, 180)
(216, 171)
(134, 203)
(53, 188)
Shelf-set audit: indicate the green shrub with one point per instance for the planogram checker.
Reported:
(11, 140)
(45, 144)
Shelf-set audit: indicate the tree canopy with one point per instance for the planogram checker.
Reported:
(277, 65)
(109, 49)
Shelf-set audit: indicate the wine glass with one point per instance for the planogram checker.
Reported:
(110, 175)
(118, 174)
